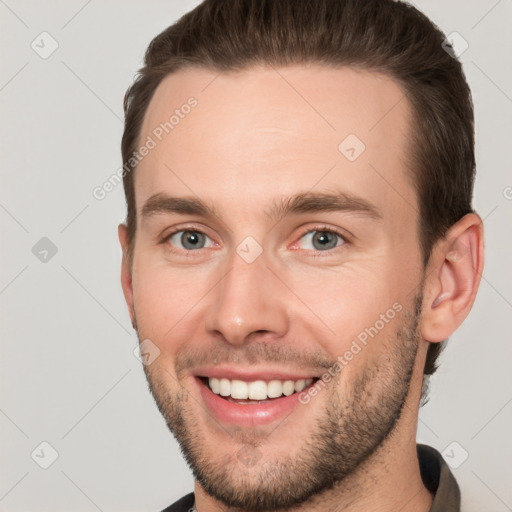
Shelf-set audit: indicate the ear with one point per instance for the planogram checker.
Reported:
(453, 277)
(126, 271)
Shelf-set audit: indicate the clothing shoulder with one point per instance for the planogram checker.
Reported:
(439, 480)
(184, 505)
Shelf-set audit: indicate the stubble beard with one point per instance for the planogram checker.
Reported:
(346, 434)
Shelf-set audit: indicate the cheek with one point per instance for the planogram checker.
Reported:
(346, 298)
(167, 301)
(354, 312)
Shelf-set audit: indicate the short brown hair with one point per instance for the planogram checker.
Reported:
(386, 36)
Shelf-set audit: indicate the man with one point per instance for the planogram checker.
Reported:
(299, 244)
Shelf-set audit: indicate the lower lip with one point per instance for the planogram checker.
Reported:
(247, 415)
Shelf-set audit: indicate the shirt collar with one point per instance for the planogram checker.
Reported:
(439, 480)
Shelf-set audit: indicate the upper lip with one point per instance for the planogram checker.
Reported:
(252, 374)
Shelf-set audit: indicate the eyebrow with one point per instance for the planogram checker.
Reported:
(163, 203)
(307, 202)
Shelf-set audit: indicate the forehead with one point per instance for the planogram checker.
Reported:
(239, 137)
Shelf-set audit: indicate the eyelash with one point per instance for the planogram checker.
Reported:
(325, 229)
(314, 253)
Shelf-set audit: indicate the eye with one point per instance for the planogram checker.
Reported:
(189, 240)
(321, 240)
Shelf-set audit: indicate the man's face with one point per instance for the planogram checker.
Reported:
(276, 280)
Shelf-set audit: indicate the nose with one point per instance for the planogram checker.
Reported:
(249, 299)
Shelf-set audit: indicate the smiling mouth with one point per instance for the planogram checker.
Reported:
(255, 392)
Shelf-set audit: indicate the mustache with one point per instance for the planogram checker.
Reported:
(261, 353)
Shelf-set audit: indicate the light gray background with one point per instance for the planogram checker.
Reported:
(68, 373)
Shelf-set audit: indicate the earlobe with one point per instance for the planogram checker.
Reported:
(126, 271)
(453, 278)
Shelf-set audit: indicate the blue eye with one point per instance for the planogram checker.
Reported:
(323, 240)
(316, 240)
(189, 240)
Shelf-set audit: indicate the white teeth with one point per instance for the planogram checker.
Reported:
(214, 384)
(224, 387)
(288, 387)
(258, 389)
(300, 385)
(239, 389)
(274, 389)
